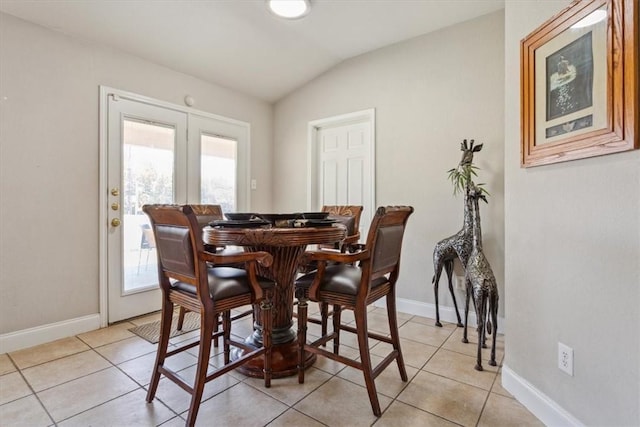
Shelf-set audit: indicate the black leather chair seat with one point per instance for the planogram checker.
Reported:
(225, 282)
(340, 278)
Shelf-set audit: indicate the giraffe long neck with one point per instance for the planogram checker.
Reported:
(468, 212)
(477, 230)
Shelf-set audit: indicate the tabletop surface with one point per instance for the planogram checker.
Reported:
(273, 236)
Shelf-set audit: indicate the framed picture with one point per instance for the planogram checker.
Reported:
(580, 82)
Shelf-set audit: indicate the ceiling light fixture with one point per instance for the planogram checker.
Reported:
(289, 9)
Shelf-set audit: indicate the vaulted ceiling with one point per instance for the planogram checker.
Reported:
(238, 43)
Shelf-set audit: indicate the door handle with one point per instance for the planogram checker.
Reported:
(115, 222)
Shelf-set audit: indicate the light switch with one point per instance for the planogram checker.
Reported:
(254, 184)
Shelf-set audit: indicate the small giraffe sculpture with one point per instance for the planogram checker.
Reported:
(458, 245)
(481, 284)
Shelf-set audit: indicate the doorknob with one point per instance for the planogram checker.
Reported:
(115, 192)
(115, 222)
(115, 206)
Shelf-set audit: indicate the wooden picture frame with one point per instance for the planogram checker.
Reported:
(580, 83)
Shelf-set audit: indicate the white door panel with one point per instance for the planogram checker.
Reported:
(203, 126)
(330, 183)
(357, 136)
(342, 163)
(146, 164)
(355, 181)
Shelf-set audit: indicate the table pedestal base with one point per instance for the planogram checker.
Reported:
(284, 361)
(287, 246)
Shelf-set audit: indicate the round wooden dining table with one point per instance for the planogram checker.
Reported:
(287, 246)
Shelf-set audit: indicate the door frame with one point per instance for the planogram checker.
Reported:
(244, 203)
(364, 116)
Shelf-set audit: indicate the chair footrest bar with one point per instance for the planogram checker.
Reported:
(333, 356)
(241, 346)
(385, 362)
(182, 348)
(191, 345)
(176, 379)
(238, 316)
(323, 340)
(233, 365)
(314, 320)
(373, 335)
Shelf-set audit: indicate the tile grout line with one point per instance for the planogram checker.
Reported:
(395, 399)
(441, 347)
(32, 391)
(112, 365)
(92, 349)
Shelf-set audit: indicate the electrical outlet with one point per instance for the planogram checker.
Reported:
(565, 358)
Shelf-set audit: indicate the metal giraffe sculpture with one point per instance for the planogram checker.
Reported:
(481, 284)
(459, 245)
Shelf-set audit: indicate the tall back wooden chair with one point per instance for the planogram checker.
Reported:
(204, 215)
(349, 215)
(207, 213)
(190, 277)
(354, 281)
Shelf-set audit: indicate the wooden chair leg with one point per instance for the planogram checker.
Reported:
(216, 325)
(395, 335)
(163, 344)
(267, 328)
(365, 358)
(337, 319)
(302, 336)
(206, 329)
(324, 315)
(226, 328)
(216, 328)
(183, 311)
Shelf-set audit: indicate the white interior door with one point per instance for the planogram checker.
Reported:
(155, 152)
(343, 148)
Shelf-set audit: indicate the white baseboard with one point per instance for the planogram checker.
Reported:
(18, 340)
(539, 404)
(447, 314)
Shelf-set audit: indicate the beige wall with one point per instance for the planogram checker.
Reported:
(429, 94)
(49, 166)
(572, 251)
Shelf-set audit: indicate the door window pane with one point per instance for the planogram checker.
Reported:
(148, 176)
(218, 171)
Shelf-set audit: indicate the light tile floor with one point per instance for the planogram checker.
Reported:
(100, 378)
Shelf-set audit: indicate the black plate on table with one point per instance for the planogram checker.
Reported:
(240, 216)
(314, 223)
(272, 218)
(314, 215)
(239, 223)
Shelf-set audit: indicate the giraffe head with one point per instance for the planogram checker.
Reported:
(467, 152)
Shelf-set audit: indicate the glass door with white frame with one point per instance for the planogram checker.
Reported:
(147, 164)
(160, 153)
(219, 151)
(218, 171)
